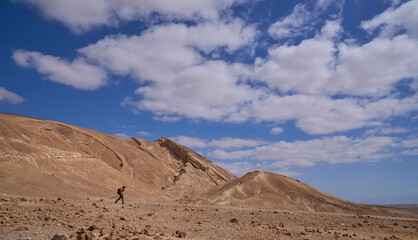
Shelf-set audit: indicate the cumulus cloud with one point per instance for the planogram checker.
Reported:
(313, 114)
(276, 130)
(221, 143)
(410, 152)
(410, 143)
(313, 67)
(182, 81)
(292, 25)
(394, 20)
(228, 143)
(339, 149)
(122, 135)
(10, 97)
(330, 86)
(144, 133)
(387, 130)
(78, 74)
(241, 168)
(162, 51)
(190, 141)
(81, 16)
(302, 20)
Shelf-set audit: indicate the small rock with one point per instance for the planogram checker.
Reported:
(60, 237)
(181, 234)
(22, 228)
(233, 220)
(93, 227)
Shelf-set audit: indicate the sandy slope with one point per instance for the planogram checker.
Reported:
(40, 157)
(269, 190)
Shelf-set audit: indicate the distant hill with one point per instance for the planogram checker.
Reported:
(50, 159)
(261, 189)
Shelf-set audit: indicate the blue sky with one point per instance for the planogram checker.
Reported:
(323, 91)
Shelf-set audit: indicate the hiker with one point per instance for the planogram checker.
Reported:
(120, 192)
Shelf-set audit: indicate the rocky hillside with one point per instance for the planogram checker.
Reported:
(41, 157)
(261, 189)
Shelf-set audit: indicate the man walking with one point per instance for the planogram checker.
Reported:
(120, 192)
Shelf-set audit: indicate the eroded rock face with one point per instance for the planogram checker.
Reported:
(189, 161)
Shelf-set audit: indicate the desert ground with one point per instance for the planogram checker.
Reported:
(57, 218)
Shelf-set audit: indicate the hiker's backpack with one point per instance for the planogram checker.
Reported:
(118, 190)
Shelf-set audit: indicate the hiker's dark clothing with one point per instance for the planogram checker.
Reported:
(121, 190)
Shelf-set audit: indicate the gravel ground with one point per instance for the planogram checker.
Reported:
(26, 218)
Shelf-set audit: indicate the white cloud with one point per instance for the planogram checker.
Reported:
(190, 142)
(293, 25)
(411, 152)
(81, 16)
(241, 168)
(222, 143)
(164, 118)
(228, 143)
(144, 133)
(393, 20)
(78, 74)
(10, 97)
(182, 82)
(372, 69)
(302, 20)
(313, 114)
(225, 155)
(339, 149)
(78, 15)
(305, 68)
(314, 67)
(276, 130)
(163, 51)
(362, 76)
(386, 130)
(122, 135)
(410, 143)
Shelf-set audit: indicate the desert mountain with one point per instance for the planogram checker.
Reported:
(46, 158)
(261, 189)
(51, 158)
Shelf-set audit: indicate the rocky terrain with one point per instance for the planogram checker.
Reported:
(46, 218)
(58, 181)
